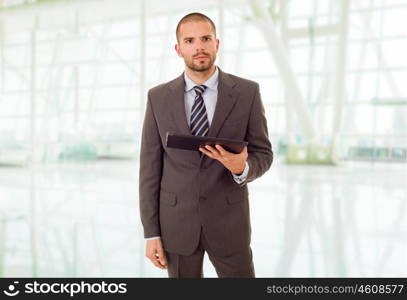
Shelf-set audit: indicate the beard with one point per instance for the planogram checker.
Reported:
(198, 66)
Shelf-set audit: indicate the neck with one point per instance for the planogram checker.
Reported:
(200, 77)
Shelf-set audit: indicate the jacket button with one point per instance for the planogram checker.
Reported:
(202, 198)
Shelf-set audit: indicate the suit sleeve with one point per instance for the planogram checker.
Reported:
(260, 154)
(151, 160)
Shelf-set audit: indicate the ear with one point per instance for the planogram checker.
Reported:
(177, 49)
(217, 44)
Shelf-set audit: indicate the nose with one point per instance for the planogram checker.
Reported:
(199, 46)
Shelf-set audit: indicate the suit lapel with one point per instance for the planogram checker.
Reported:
(226, 100)
(176, 95)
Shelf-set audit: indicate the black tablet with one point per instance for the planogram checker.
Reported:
(193, 142)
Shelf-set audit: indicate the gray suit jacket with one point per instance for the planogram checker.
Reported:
(180, 191)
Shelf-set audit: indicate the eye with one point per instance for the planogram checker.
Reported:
(188, 41)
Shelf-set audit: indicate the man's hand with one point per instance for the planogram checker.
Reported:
(155, 253)
(235, 163)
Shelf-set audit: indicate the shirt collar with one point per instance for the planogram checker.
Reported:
(211, 83)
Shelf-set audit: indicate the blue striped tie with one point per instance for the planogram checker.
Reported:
(199, 119)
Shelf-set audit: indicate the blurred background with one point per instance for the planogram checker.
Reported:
(73, 82)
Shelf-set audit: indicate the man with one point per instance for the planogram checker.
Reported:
(197, 202)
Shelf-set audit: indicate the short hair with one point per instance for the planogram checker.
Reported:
(194, 17)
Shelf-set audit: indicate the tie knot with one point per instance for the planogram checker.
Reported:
(199, 89)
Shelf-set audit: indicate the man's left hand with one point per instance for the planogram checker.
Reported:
(235, 163)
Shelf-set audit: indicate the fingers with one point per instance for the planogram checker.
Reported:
(207, 152)
(154, 258)
(151, 255)
(221, 150)
(161, 257)
(244, 152)
(211, 152)
(155, 253)
(156, 261)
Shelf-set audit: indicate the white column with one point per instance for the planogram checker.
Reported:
(264, 22)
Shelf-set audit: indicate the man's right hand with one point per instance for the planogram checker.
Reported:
(155, 253)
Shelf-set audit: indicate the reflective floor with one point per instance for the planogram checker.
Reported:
(82, 220)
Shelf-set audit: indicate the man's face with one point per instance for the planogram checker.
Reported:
(197, 45)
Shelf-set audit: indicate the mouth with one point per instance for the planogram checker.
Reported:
(201, 57)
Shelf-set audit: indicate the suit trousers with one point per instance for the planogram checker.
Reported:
(239, 264)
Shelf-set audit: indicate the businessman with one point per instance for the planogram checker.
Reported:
(192, 202)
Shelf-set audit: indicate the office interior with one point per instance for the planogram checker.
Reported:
(74, 76)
